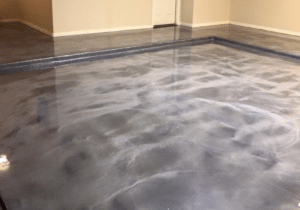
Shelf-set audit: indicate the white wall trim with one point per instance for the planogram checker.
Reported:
(293, 33)
(72, 33)
(178, 12)
(45, 31)
(266, 28)
(211, 23)
(205, 24)
(185, 24)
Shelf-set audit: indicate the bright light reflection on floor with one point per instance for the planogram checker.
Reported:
(4, 163)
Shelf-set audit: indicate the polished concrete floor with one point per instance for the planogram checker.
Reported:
(204, 127)
(20, 42)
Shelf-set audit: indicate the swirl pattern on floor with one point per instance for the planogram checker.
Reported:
(204, 127)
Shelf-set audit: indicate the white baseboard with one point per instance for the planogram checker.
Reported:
(149, 26)
(76, 32)
(102, 30)
(45, 31)
(185, 24)
(204, 24)
(293, 33)
(211, 23)
(266, 28)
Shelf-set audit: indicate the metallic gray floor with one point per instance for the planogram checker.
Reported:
(20, 42)
(205, 127)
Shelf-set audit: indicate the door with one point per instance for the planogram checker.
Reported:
(164, 12)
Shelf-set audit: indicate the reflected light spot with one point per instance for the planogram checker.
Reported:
(4, 163)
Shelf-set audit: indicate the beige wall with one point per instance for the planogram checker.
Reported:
(277, 14)
(79, 16)
(186, 12)
(37, 12)
(8, 9)
(211, 11)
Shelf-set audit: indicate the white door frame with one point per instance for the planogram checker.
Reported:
(177, 12)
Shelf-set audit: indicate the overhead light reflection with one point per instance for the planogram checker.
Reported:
(4, 163)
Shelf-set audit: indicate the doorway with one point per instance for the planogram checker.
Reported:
(164, 12)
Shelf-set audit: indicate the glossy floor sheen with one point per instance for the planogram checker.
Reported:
(20, 42)
(195, 128)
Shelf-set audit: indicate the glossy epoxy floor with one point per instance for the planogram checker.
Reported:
(20, 42)
(204, 127)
